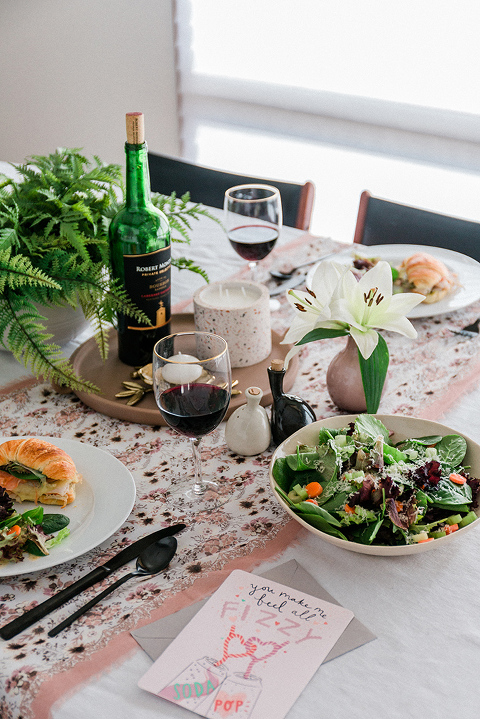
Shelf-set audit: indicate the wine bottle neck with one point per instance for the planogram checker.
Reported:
(137, 176)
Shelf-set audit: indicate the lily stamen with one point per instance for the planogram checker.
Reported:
(370, 296)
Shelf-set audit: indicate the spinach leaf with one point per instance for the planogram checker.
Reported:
(286, 477)
(326, 434)
(302, 460)
(282, 473)
(33, 516)
(309, 508)
(320, 523)
(327, 463)
(393, 454)
(32, 548)
(369, 428)
(20, 471)
(366, 535)
(447, 494)
(452, 449)
(427, 441)
(315, 518)
(54, 522)
(337, 501)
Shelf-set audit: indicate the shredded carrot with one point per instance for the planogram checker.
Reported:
(314, 489)
(348, 509)
(14, 530)
(312, 501)
(399, 505)
(457, 478)
(451, 528)
(422, 541)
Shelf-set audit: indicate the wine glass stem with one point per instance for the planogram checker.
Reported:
(253, 270)
(198, 487)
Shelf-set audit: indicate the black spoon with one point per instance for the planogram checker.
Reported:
(469, 330)
(152, 560)
(278, 275)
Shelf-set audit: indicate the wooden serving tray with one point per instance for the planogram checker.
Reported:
(109, 375)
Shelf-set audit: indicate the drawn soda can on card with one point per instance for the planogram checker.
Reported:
(236, 697)
(192, 685)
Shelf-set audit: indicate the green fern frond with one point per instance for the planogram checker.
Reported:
(49, 194)
(68, 230)
(96, 316)
(8, 238)
(182, 263)
(18, 271)
(180, 212)
(88, 284)
(4, 182)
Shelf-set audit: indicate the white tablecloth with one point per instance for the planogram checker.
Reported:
(424, 609)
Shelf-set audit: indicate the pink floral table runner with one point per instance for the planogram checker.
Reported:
(238, 528)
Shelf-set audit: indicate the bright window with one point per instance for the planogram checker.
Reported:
(422, 52)
(352, 95)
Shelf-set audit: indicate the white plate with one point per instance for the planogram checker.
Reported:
(403, 428)
(103, 502)
(466, 268)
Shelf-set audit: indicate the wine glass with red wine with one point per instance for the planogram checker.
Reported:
(192, 382)
(253, 218)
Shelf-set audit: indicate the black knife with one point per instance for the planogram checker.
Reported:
(41, 610)
(288, 285)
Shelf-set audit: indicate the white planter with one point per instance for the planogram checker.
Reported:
(64, 323)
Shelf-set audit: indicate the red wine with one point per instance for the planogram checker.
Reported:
(194, 409)
(253, 242)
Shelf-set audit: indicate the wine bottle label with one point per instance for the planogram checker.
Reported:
(147, 281)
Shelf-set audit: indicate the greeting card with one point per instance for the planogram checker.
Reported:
(249, 651)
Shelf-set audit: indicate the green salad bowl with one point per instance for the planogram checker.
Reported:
(402, 428)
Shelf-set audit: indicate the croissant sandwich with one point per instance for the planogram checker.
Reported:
(36, 471)
(428, 276)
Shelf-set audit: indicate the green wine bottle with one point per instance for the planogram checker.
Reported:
(140, 254)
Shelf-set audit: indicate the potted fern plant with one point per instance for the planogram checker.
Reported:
(54, 252)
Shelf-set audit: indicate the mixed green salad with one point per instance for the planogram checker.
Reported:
(32, 532)
(356, 484)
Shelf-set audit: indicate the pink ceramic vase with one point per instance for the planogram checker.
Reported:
(344, 380)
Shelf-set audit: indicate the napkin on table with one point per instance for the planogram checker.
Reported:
(154, 638)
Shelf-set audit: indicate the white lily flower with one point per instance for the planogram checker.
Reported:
(312, 305)
(370, 303)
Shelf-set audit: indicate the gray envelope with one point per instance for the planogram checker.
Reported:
(154, 638)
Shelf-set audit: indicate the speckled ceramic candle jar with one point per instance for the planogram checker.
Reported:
(238, 311)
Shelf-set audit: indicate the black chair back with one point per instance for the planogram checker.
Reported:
(208, 186)
(382, 222)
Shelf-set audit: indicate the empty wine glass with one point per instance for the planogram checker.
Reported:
(192, 382)
(253, 218)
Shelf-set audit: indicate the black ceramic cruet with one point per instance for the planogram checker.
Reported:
(289, 412)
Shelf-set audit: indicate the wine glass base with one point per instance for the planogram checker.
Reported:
(204, 489)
